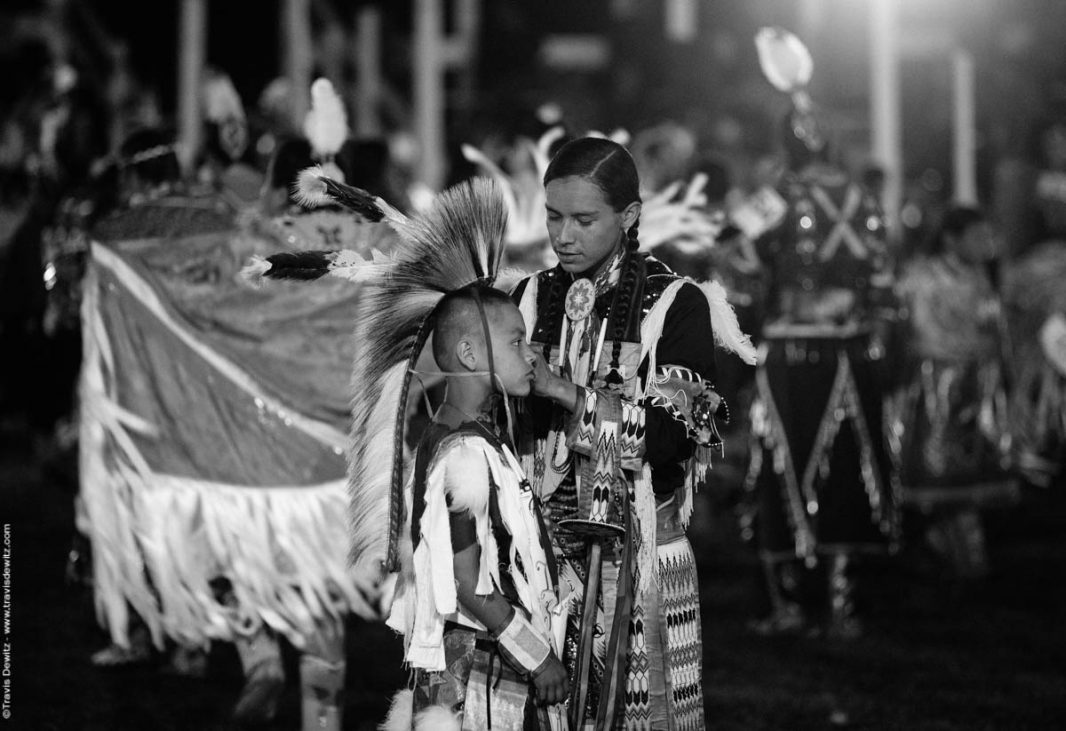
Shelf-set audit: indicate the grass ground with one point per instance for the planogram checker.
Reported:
(937, 655)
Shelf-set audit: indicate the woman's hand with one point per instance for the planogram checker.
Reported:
(551, 386)
(543, 376)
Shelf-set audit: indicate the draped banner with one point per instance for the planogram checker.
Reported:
(213, 434)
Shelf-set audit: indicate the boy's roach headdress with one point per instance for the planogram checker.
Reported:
(457, 242)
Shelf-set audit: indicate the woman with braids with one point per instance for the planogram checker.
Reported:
(616, 438)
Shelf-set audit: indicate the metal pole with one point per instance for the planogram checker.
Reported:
(297, 55)
(429, 92)
(465, 39)
(965, 126)
(886, 132)
(192, 46)
(368, 71)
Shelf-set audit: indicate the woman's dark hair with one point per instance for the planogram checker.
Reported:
(605, 163)
(954, 223)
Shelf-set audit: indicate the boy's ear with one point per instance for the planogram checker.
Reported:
(464, 352)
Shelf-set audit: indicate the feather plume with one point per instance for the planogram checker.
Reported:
(457, 242)
(401, 712)
(326, 125)
(727, 332)
(509, 277)
(254, 271)
(437, 718)
(308, 265)
(785, 61)
(298, 265)
(315, 188)
(310, 188)
(465, 493)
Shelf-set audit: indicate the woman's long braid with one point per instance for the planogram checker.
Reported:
(623, 298)
(554, 325)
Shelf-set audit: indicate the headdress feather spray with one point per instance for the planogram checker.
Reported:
(457, 242)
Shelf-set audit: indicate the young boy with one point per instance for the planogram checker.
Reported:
(477, 590)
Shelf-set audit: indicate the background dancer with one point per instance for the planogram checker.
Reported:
(953, 421)
(820, 478)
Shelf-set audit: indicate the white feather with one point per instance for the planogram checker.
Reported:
(353, 266)
(727, 332)
(467, 494)
(401, 712)
(326, 125)
(437, 718)
(785, 61)
(254, 271)
(509, 277)
(370, 469)
(310, 191)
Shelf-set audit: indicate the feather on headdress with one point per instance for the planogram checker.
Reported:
(457, 242)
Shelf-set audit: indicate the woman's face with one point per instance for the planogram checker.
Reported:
(584, 230)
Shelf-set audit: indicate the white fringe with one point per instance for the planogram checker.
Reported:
(647, 564)
(160, 539)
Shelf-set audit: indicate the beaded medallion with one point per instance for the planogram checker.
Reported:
(579, 299)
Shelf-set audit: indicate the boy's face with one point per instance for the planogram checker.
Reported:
(512, 357)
